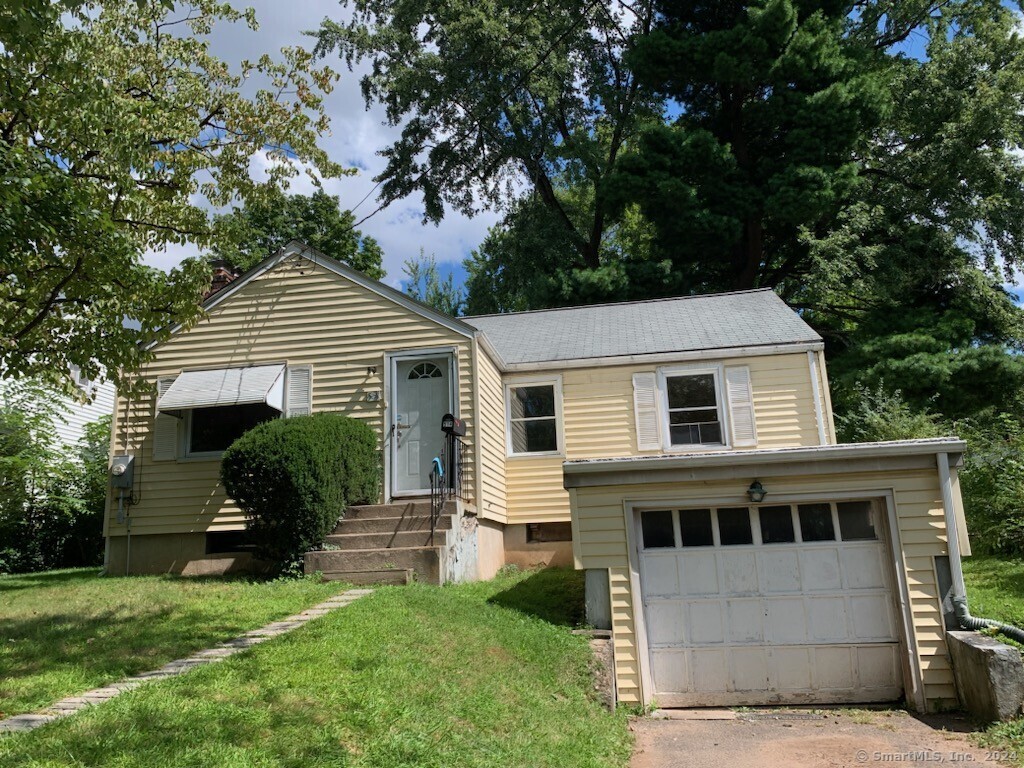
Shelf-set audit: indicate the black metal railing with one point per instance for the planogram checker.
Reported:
(445, 478)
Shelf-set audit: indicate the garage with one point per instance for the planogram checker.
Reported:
(769, 604)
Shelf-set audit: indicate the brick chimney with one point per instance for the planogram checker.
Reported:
(223, 273)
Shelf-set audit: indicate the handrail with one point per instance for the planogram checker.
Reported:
(445, 479)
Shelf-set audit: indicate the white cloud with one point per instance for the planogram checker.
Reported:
(356, 136)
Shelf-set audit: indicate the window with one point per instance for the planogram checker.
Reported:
(425, 371)
(224, 542)
(816, 522)
(537, 533)
(212, 430)
(695, 527)
(734, 526)
(693, 415)
(855, 523)
(533, 416)
(776, 525)
(657, 529)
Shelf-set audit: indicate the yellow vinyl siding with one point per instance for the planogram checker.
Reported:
(600, 541)
(492, 438)
(295, 313)
(599, 422)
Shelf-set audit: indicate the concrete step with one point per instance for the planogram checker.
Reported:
(417, 508)
(395, 539)
(425, 562)
(392, 576)
(391, 524)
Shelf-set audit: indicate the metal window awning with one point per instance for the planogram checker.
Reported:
(225, 386)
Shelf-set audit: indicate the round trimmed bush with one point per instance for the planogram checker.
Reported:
(294, 478)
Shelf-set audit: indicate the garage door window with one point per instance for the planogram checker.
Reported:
(658, 530)
(757, 525)
(855, 523)
(734, 526)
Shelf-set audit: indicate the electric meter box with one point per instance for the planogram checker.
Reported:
(122, 472)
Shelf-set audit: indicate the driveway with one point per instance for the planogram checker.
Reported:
(802, 739)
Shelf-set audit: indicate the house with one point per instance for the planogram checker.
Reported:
(681, 451)
(69, 415)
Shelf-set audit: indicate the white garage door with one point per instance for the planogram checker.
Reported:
(769, 604)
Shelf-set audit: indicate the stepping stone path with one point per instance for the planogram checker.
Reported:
(73, 704)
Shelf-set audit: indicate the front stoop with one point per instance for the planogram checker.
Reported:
(386, 544)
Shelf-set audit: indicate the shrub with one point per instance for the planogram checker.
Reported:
(294, 478)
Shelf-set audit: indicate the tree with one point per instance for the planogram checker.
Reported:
(494, 96)
(261, 228)
(773, 101)
(424, 283)
(118, 131)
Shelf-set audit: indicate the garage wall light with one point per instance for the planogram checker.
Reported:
(756, 492)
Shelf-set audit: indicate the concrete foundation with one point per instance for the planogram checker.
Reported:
(989, 675)
(183, 553)
(546, 554)
(491, 548)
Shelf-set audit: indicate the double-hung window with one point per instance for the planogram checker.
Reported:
(534, 417)
(693, 408)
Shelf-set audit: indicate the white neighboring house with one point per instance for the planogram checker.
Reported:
(73, 414)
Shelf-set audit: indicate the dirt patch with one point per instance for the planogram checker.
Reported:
(842, 739)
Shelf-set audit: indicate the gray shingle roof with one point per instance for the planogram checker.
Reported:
(687, 324)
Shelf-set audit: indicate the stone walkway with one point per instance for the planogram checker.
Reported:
(73, 704)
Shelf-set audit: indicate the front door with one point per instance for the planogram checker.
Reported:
(422, 396)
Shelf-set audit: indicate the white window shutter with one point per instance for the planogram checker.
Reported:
(645, 405)
(299, 387)
(741, 406)
(165, 427)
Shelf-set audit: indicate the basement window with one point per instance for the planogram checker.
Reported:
(538, 533)
(228, 542)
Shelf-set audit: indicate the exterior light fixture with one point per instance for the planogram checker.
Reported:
(756, 492)
(371, 369)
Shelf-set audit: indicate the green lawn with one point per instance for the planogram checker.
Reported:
(420, 676)
(64, 632)
(995, 588)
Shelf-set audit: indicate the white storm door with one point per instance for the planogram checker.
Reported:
(422, 396)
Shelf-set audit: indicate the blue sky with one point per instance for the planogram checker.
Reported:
(356, 137)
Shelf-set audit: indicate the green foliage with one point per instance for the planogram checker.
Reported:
(875, 415)
(495, 94)
(119, 130)
(992, 484)
(424, 283)
(264, 226)
(52, 497)
(295, 477)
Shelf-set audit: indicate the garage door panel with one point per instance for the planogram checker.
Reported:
(665, 625)
(745, 620)
(757, 623)
(710, 670)
(791, 670)
(787, 620)
(779, 570)
(705, 623)
(872, 617)
(827, 619)
(739, 572)
(670, 670)
(863, 567)
(699, 572)
(833, 667)
(820, 571)
(661, 575)
(749, 667)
